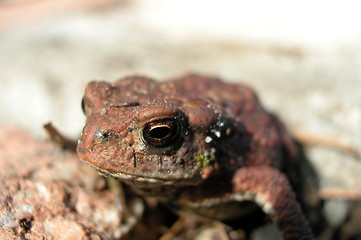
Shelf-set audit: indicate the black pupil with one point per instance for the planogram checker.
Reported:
(160, 132)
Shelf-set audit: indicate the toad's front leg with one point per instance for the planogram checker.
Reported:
(270, 189)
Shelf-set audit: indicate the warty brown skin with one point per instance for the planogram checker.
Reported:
(196, 142)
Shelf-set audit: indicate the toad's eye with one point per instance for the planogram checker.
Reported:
(160, 133)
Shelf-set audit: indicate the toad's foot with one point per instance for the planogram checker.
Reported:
(271, 190)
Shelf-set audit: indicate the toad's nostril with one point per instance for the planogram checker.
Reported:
(101, 135)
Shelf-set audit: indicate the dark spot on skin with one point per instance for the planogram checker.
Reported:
(160, 162)
(129, 104)
(134, 158)
(83, 105)
(106, 135)
(130, 129)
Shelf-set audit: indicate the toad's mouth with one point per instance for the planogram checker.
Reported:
(138, 178)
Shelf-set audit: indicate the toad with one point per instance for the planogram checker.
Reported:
(195, 143)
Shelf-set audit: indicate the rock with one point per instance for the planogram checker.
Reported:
(47, 193)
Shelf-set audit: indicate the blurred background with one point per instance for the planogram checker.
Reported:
(303, 58)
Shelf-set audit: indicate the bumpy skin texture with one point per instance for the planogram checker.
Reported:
(195, 142)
